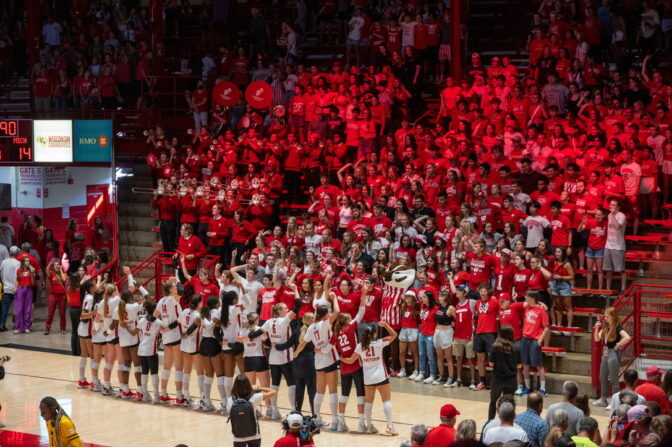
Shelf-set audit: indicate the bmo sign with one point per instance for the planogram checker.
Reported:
(93, 141)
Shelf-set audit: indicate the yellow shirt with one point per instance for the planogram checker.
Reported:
(68, 434)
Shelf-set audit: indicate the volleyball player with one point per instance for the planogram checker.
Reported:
(108, 309)
(189, 345)
(232, 351)
(149, 326)
(278, 331)
(345, 339)
(97, 338)
(370, 351)
(254, 359)
(127, 317)
(84, 332)
(169, 306)
(326, 360)
(210, 351)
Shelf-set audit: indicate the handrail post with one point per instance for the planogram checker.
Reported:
(638, 322)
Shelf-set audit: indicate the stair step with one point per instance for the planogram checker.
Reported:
(142, 238)
(136, 209)
(136, 223)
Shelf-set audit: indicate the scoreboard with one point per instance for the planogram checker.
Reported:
(16, 141)
(25, 141)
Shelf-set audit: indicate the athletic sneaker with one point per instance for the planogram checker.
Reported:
(480, 387)
(525, 391)
(472, 386)
(543, 393)
(401, 373)
(276, 416)
(107, 391)
(209, 407)
(395, 373)
(156, 399)
(82, 384)
(390, 431)
(371, 430)
(201, 405)
(125, 394)
(27, 331)
(600, 402)
(96, 388)
(519, 390)
(420, 377)
(413, 376)
(269, 414)
(437, 381)
(458, 383)
(147, 398)
(164, 399)
(361, 428)
(429, 380)
(450, 383)
(222, 408)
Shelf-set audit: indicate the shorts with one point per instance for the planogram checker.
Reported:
(102, 343)
(463, 348)
(296, 121)
(561, 287)
(443, 338)
(347, 380)
(530, 352)
(114, 341)
(408, 334)
(234, 349)
(444, 52)
(579, 238)
(593, 253)
(86, 337)
(256, 364)
(384, 382)
(544, 297)
(667, 167)
(331, 368)
(352, 41)
(173, 343)
(483, 342)
(432, 52)
(210, 347)
(614, 260)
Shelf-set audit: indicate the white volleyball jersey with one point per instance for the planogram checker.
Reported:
(126, 338)
(192, 342)
(372, 361)
(255, 347)
(85, 328)
(320, 333)
(279, 331)
(170, 312)
(149, 339)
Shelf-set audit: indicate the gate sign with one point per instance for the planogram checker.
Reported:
(226, 93)
(93, 141)
(259, 95)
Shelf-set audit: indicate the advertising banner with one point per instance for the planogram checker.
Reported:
(53, 141)
(93, 141)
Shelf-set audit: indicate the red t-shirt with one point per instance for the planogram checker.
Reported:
(504, 278)
(269, 298)
(408, 320)
(374, 300)
(481, 268)
(534, 322)
(597, 233)
(24, 278)
(537, 281)
(560, 226)
(57, 285)
(191, 246)
(512, 316)
(488, 311)
(427, 320)
(205, 290)
(350, 303)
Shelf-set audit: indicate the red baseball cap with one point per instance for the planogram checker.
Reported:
(654, 371)
(449, 411)
(504, 296)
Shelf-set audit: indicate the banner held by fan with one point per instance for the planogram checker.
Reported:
(226, 93)
(259, 94)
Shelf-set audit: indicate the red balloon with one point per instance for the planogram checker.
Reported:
(167, 171)
(226, 93)
(151, 159)
(259, 95)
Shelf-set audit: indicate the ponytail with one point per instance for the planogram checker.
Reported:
(341, 321)
(252, 318)
(367, 336)
(307, 320)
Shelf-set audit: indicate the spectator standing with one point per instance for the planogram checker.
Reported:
(614, 254)
(614, 337)
(43, 90)
(443, 434)
(8, 269)
(570, 390)
(530, 420)
(7, 233)
(505, 355)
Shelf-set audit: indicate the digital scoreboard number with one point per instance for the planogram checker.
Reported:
(16, 141)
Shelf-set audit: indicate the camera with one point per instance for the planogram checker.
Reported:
(309, 428)
(5, 358)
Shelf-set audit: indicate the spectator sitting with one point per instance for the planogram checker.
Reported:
(570, 389)
(588, 433)
(531, 421)
(558, 419)
(651, 390)
(495, 422)
(630, 378)
(506, 431)
(443, 434)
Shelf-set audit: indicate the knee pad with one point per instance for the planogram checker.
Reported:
(387, 405)
(165, 374)
(342, 399)
(178, 376)
(333, 398)
(122, 368)
(360, 400)
(95, 365)
(138, 369)
(109, 366)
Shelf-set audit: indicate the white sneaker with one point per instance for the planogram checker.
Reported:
(413, 376)
(276, 416)
(420, 377)
(361, 427)
(155, 399)
(600, 403)
(402, 373)
(208, 407)
(342, 428)
(146, 397)
(437, 381)
(430, 380)
(27, 331)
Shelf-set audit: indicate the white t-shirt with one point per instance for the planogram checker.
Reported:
(356, 24)
(320, 334)
(249, 298)
(278, 331)
(255, 400)
(408, 33)
(615, 238)
(615, 400)
(504, 435)
(632, 175)
(535, 230)
(313, 243)
(373, 366)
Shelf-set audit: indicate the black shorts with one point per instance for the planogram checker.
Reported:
(483, 342)
(114, 341)
(530, 352)
(544, 297)
(234, 349)
(384, 382)
(102, 343)
(579, 238)
(174, 343)
(86, 337)
(256, 364)
(347, 379)
(131, 346)
(432, 53)
(331, 368)
(210, 347)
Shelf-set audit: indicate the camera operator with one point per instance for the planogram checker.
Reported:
(298, 431)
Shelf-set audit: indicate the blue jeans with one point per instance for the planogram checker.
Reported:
(7, 299)
(427, 354)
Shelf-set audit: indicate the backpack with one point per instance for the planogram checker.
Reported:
(243, 419)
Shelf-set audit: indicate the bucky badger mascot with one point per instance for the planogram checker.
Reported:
(397, 281)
